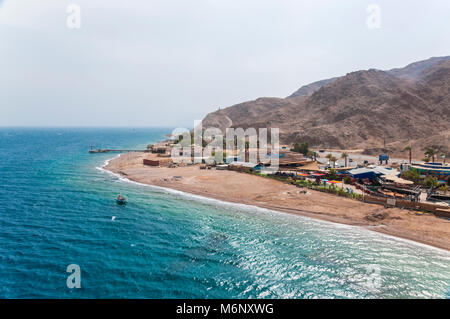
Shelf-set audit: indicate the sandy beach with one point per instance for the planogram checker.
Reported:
(271, 194)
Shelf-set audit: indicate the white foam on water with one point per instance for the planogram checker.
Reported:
(253, 209)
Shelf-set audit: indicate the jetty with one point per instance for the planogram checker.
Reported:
(93, 151)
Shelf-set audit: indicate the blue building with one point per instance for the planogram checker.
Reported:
(362, 173)
(370, 173)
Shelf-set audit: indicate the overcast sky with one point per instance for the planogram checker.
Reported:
(169, 62)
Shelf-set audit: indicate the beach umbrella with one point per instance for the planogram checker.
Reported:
(333, 182)
(302, 174)
(318, 174)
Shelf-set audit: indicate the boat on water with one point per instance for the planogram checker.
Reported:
(120, 200)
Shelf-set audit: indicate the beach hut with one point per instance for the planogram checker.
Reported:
(161, 162)
(149, 162)
(362, 173)
(242, 166)
(161, 148)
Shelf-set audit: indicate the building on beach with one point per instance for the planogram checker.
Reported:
(242, 166)
(435, 169)
(157, 161)
(371, 173)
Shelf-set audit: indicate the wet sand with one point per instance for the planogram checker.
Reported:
(271, 194)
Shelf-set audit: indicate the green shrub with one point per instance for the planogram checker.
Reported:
(431, 181)
(412, 175)
(301, 148)
(332, 174)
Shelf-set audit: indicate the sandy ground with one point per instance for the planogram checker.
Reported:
(267, 193)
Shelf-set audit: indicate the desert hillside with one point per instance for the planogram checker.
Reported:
(372, 110)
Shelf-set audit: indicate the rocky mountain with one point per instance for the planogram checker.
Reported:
(309, 89)
(414, 70)
(371, 110)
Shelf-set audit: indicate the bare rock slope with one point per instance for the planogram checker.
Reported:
(370, 109)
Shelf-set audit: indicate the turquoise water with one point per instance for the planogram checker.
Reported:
(58, 207)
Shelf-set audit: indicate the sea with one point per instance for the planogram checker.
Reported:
(58, 210)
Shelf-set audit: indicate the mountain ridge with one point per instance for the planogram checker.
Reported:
(366, 109)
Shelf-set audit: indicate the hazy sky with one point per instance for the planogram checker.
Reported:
(169, 62)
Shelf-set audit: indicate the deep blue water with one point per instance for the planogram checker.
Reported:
(57, 209)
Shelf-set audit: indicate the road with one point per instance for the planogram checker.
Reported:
(357, 159)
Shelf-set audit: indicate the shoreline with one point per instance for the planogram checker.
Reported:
(380, 227)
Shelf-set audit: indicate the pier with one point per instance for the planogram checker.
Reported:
(93, 151)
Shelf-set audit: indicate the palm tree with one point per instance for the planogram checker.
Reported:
(430, 152)
(313, 155)
(316, 155)
(333, 160)
(345, 156)
(409, 148)
(329, 157)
